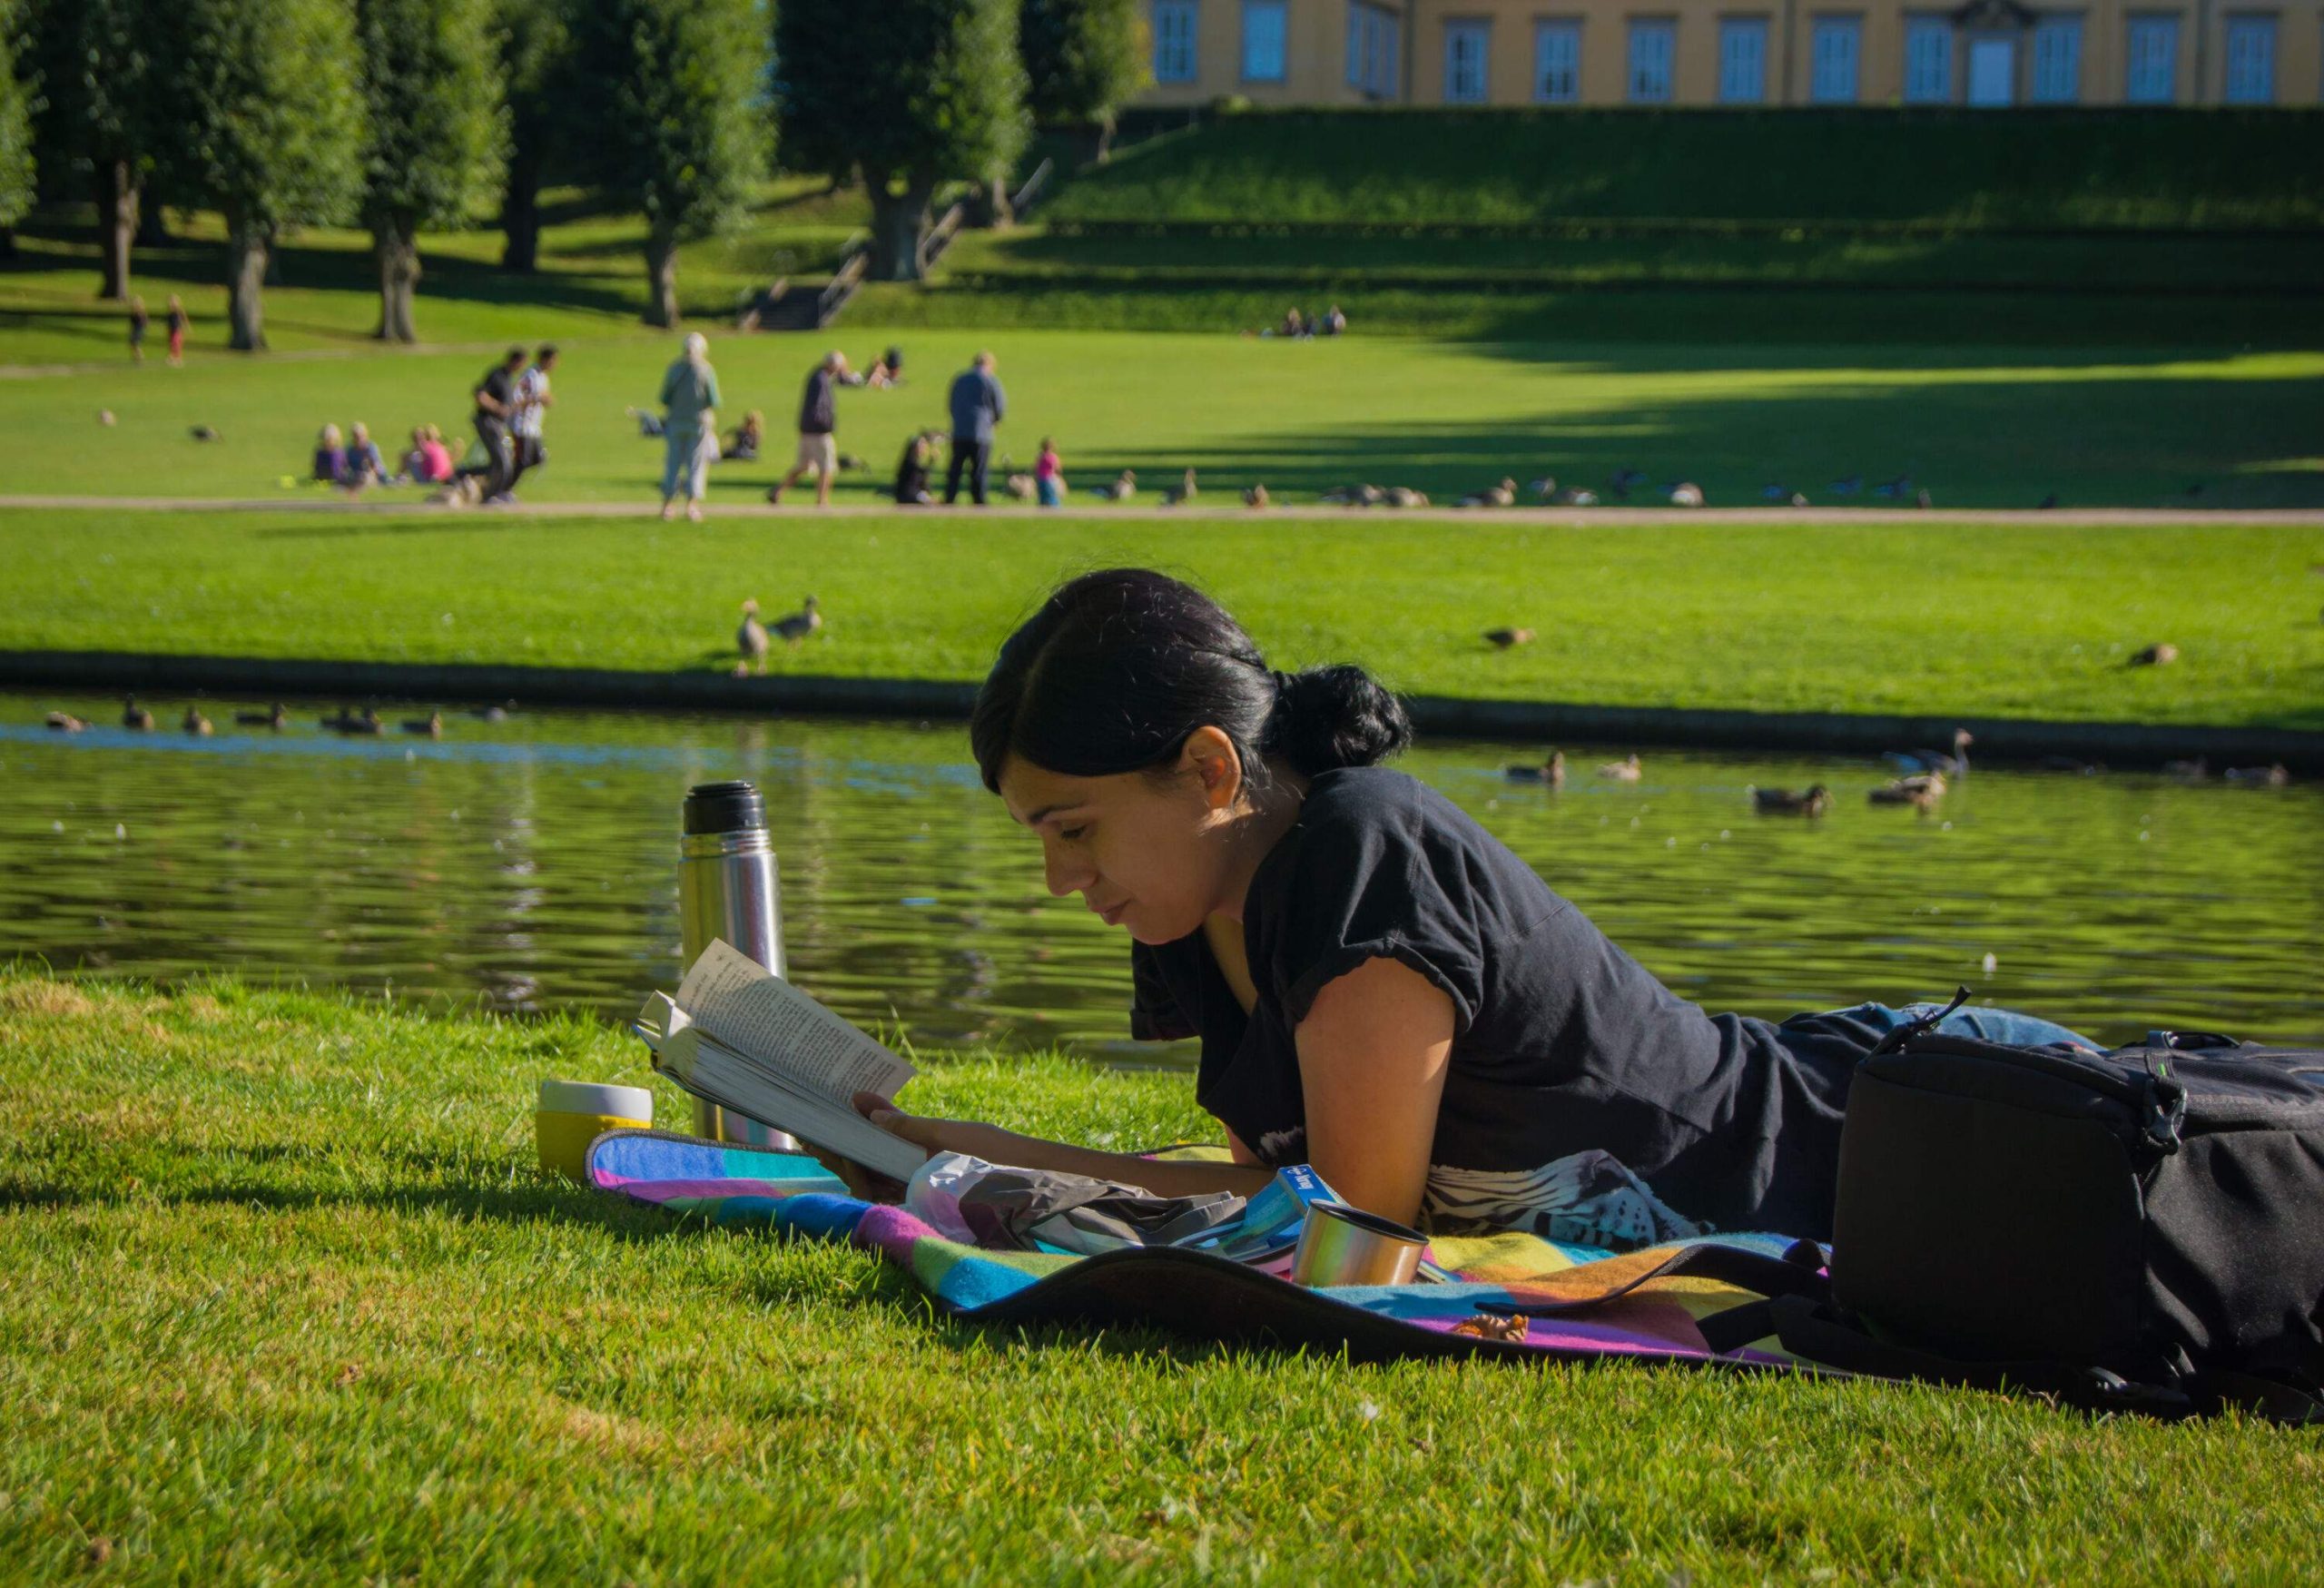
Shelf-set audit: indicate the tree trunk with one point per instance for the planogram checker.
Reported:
(520, 215)
(116, 225)
(7, 242)
(245, 283)
(899, 221)
(999, 213)
(1105, 140)
(661, 281)
(398, 249)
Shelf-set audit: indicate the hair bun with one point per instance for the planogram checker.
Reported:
(1333, 716)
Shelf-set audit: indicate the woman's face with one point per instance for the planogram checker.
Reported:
(1147, 852)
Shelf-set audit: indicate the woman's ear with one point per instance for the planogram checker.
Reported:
(1210, 755)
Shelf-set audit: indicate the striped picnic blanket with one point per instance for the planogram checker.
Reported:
(1701, 1302)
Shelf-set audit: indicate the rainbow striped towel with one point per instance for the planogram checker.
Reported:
(1701, 1302)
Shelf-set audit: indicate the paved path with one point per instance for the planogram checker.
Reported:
(1224, 507)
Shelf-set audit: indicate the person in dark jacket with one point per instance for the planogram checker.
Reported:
(818, 430)
(978, 404)
(496, 406)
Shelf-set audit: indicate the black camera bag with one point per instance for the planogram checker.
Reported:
(2142, 1228)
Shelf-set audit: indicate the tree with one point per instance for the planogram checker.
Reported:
(15, 131)
(433, 126)
(680, 132)
(272, 129)
(535, 39)
(912, 93)
(104, 114)
(1083, 61)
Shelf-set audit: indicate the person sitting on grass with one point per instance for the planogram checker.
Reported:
(1335, 324)
(887, 370)
(742, 446)
(914, 469)
(438, 455)
(413, 464)
(1049, 476)
(331, 456)
(364, 464)
(1381, 988)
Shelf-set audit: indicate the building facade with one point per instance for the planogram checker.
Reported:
(1983, 53)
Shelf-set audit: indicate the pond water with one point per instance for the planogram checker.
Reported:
(530, 865)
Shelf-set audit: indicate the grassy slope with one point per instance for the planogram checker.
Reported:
(1975, 185)
(1980, 421)
(281, 1294)
(1503, 167)
(1906, 616)
(2164, 264)
(591, 282)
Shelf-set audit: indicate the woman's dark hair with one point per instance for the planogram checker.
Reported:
(1118, 667)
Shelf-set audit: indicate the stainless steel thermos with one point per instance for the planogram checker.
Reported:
(728, 888)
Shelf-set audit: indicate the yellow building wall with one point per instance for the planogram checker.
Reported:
(1315, 58)
(1317, 51)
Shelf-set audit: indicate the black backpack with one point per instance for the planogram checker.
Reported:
(2142, 1228)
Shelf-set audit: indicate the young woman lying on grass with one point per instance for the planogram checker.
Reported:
(1381, 988)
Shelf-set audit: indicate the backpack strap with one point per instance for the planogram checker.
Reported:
(1920, 1025)
(2270, 1399)
(1819, 1334)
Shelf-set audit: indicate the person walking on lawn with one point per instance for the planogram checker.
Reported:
(818, 430)
(978, 405)
(689, 427)
(495, 405)
(533, 401)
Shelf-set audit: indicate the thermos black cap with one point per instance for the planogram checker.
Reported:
(723, 807)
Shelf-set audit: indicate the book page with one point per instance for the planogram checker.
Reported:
(748, 1008)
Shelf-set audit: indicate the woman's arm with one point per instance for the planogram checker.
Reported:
(1165, 1177)
(1373, 1054)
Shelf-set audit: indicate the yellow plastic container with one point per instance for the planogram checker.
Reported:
(573, 1113)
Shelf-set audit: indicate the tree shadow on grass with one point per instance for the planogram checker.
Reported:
(2090, 441)
(180, 265)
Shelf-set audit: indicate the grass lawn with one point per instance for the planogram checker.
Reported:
(1896, 615)
(1980, 424)
(283, 1294)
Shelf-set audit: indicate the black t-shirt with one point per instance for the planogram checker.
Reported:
(1562, 1042)
(499, 385)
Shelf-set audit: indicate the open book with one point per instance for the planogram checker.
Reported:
(746, 1040)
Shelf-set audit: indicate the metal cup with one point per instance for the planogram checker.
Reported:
(729, 888)
(1340, 1245)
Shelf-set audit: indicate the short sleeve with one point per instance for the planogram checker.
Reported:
(1153, 1013)
(1375, 881)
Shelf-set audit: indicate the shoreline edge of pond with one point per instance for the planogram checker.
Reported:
(2122, 745)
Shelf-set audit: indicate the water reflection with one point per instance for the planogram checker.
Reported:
(531, 864)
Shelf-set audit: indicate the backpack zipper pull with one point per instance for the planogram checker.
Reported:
(2166, 1103)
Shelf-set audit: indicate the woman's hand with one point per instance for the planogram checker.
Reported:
(930, 1135)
